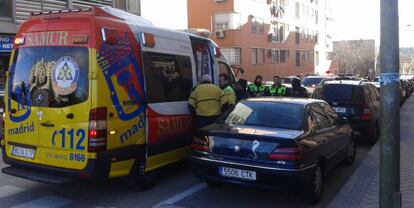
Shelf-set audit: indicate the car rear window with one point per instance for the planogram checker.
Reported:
(50, 77)
(342, 93)
(266, 114)
(311, 81)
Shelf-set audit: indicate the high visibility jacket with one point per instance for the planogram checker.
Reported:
(207, 100)
(276, 91)
(253, 89)
(230, 95)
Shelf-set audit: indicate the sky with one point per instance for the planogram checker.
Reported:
(352, 19)
(174, 13)
(356, 19)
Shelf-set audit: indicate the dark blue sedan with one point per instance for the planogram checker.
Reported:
(281, 143)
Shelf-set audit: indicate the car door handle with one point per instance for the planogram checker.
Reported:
(45, 124)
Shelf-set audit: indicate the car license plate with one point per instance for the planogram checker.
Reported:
(237, 173)
(23, 152)
(339, 110)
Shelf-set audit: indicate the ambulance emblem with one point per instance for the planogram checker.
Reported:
(65, 75)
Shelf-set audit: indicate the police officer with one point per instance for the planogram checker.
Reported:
(227, 89)
(277, 89)
(206, 102)
(257, 88)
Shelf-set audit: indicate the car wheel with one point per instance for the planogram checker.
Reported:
(142, 180)
(314, 190)
(350, 153)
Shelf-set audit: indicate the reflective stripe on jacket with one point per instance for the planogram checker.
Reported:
(207, 100)
(277, 91)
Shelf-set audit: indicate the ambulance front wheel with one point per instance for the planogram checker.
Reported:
(141, 180)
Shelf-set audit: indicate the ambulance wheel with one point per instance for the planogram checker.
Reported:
(140, 179)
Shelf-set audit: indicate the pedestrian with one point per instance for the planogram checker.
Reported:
(298, 90)
(257, 88)
(277, 89)
(227, 89)
(241, 90)
(206, 102)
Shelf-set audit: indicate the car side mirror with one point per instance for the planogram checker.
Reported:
(343, 120)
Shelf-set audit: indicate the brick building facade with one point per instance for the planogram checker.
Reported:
(267, 37)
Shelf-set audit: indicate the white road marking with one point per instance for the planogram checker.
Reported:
(8, 190)
(47, 201)
(174, 199)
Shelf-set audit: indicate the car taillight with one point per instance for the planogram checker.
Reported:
(200, 144)
(366, 113)
(97, 133)
(290, 153)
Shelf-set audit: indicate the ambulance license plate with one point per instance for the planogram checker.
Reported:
(23, 152)
(237, 173)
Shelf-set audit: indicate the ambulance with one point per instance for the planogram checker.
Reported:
(99, 93)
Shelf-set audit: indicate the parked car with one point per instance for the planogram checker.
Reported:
(358, 101)
(280, 143)
(311, 82)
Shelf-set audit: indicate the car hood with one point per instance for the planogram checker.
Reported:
(252, 130)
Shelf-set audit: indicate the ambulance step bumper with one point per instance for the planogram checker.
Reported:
(36, 175)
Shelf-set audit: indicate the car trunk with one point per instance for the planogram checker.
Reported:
(251, 143)
(346, 100)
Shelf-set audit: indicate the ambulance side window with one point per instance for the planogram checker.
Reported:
(168, 78)
(225, 69)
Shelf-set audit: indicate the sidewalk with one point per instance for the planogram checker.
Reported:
(362, 189)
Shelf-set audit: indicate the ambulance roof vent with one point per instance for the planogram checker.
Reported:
(130, 18)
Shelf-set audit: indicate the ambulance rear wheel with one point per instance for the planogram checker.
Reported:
(140, 179)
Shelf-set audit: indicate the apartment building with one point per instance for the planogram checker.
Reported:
(267, 37)
(14, 12)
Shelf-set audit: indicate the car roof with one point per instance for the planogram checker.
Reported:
(324, 77)
(345, 82)
(291, 100)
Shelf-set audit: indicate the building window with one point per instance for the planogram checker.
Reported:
(227, 21)
(258, 25)
(133, 6)
(275, 56)
(284, 55)
(254, 56)
(316, 17)
(297, 10)
(297, 35)
(6, 8)
(316, 38)
(233, 55)
(297, 58)
(260, 56)
(317, 58)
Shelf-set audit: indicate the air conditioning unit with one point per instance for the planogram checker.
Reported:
(219, 1)
(219, 34)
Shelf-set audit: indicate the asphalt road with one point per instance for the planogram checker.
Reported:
(176, 188)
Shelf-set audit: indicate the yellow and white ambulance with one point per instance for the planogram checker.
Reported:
(100, 93)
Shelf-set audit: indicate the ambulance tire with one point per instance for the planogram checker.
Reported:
(140, 180)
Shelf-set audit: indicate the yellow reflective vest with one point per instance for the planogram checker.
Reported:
(230, 95)
(207, 100)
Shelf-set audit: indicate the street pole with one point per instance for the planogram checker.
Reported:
(390, 195)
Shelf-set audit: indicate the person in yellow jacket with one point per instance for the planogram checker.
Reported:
(228, 90)
(206, 102)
